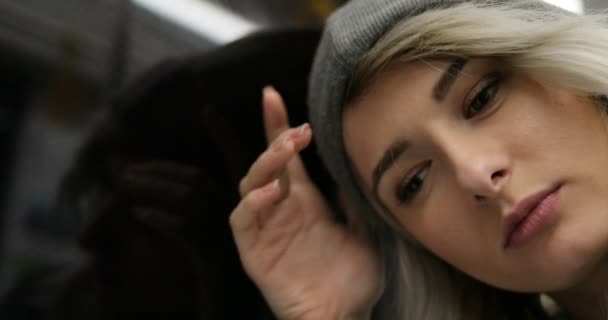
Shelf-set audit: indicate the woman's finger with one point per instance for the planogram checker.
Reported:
(276, 120)
(248, 217)
(272, 163)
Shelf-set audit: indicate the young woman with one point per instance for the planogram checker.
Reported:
(470, 141)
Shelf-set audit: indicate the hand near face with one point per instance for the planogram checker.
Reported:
(306, 265)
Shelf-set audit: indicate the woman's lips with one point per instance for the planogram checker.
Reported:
(530, 216)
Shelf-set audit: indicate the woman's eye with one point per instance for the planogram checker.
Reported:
(483, 99)
(407, 190)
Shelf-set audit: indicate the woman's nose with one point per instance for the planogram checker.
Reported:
(480, 167)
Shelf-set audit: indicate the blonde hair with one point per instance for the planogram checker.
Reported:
(555, 48)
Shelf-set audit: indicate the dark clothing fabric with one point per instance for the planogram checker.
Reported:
(157, 181)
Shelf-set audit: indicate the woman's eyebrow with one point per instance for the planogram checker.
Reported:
(387, 161)
(442, 87)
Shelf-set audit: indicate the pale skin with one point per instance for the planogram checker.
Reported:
(306, 265)
(476, 164)
(475, 170)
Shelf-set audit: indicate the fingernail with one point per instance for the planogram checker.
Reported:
(267, 89)
(300, 130)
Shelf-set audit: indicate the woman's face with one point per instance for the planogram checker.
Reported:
(500, 176)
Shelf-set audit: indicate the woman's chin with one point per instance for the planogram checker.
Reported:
(561, 264)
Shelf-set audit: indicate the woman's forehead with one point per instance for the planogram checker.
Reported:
(396, 88)
(401, 78)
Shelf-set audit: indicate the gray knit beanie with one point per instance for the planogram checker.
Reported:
(349, 33)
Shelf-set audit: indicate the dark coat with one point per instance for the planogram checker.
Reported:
(157, 181)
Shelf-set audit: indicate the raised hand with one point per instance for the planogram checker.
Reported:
(306, 265)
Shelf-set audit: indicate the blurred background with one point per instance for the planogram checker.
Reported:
(61, 60)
